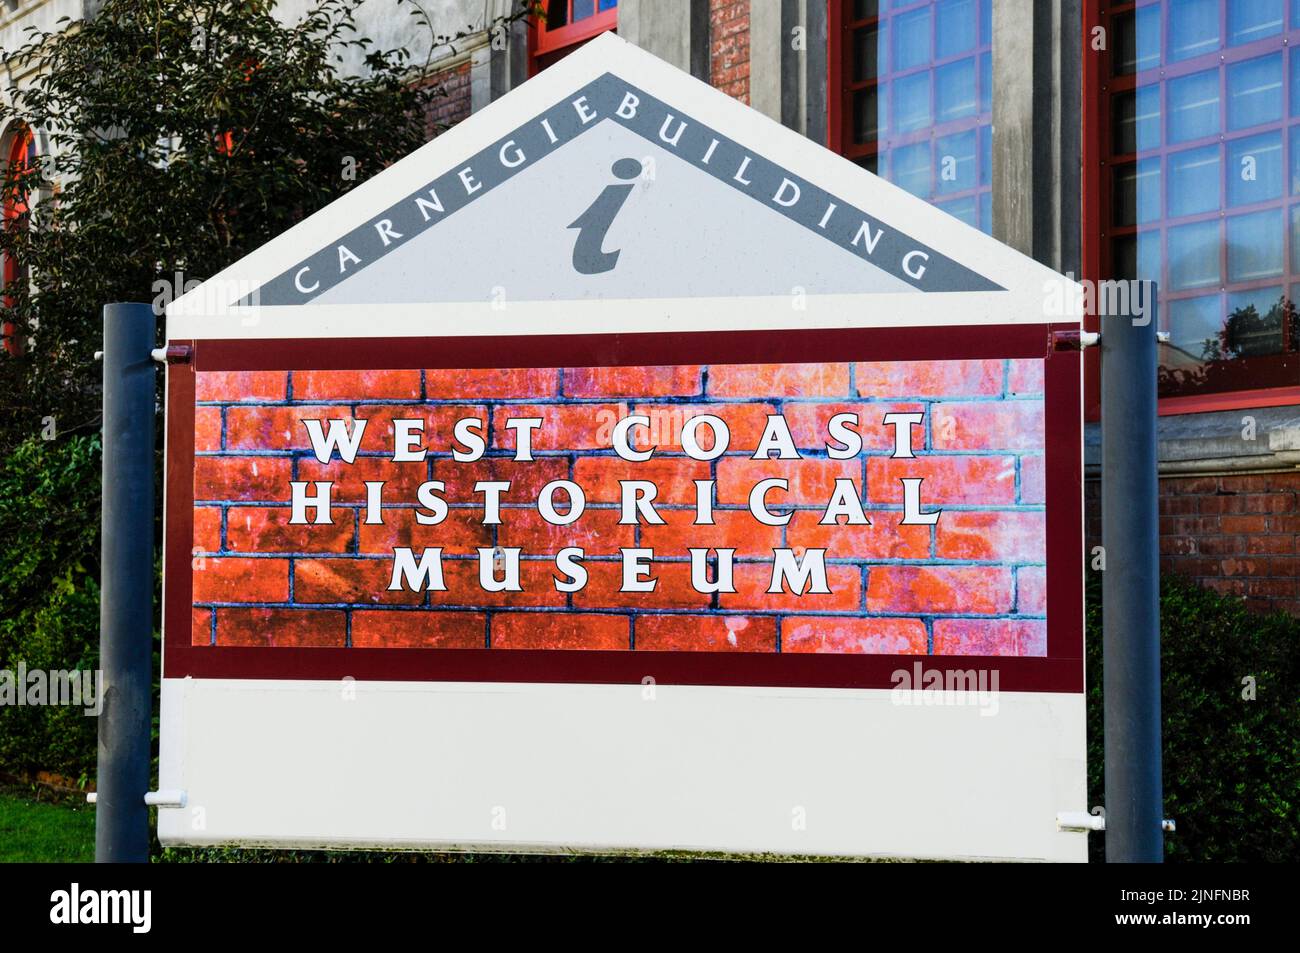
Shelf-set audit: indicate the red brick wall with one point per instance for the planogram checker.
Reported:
(729, 47)
(1236, 534)
(973, 584)
(453, 104)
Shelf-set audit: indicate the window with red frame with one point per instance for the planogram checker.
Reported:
(911, 97)
(20, 156)
(564, 25)
(1196, 185)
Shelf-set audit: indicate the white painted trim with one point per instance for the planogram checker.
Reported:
(668, 315)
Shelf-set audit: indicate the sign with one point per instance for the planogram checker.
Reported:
(623, 471)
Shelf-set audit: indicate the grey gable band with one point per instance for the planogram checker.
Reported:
(610, 98)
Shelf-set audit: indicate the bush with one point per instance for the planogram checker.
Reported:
(1231, 764)
(49, 549)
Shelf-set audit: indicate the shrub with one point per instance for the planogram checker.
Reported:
(49, 551)
(1231, 763)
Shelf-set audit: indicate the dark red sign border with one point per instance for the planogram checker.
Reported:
(1060, 671)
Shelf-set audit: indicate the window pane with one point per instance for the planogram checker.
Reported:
(1255, 169)
(1295, 160)
(1148, 256)
(1194, 106)
(557, 14)
(1137, 40)
(986, 155)
(964, 209)
(955, 26)
(986, 22)
(1295, 238)
(986, 213)
(912, 102)
(912, 39)
(956, 157)
(1137, 120)
(583, 9)
(1251, 20)
(866, 50)
(1193, 28)
(1255, 92)
(954, 90)
(1194, 255)
(1295, 81)
(1137, 192)
(867, 121)
(1123, 257)
(1194, 325)
(1136, 256)
(1255, 245)
(1194, 181)
(608, 4)
(910, 168)
(1254, 322)
(986, 83)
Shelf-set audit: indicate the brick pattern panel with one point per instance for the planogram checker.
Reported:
(451, 102)
(729, 47)
(1237, 534)
(973, 583)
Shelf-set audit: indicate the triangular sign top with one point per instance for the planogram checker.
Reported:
(614, 176)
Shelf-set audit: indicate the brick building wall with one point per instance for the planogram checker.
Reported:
(1236, 534)
(452, 103)
(729, 47)
(972, 584)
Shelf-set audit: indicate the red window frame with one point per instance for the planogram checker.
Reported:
(546, 46)
(838, 26)
(1096, 197)
(14, 207)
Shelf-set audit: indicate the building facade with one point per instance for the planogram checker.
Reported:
(1157, 139)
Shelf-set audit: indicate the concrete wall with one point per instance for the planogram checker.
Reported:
(673, 30)
(391, 24)
(1036, 129)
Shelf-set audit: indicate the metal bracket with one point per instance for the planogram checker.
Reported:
(169, 798)
(1074, 340)
(173, 354)
(1080, 340)
(1084, 821)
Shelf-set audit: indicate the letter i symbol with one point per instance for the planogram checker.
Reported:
(589, 256)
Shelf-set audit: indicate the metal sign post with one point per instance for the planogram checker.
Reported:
(126, 587)
(1131, 584)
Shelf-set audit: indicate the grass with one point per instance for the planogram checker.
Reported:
(36, 827)
(40, 826)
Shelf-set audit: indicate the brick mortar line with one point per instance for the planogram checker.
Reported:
(700, 611)
(612, 558)
(608, 453)
(870, 506)
(563, 400)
